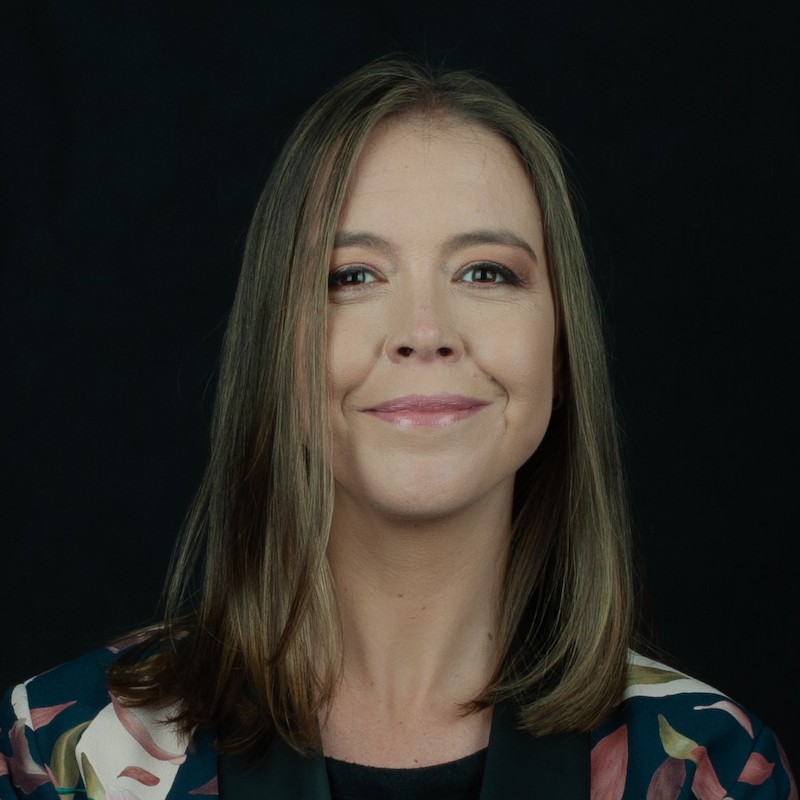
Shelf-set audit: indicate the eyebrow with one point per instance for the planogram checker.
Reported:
(488, 236)
(362, 239)
(455, 243)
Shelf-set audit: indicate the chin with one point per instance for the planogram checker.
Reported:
(428, 497)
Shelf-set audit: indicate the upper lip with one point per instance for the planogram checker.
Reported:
(431, 403)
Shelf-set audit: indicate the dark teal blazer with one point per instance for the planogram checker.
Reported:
(64, 737)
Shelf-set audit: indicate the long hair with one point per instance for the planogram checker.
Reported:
(254, 650)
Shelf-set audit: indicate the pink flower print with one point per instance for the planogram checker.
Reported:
(211, 787)
(46, 714)
(137, 729)
(667, 780)
(141, 775)
(26, 774)
(756, 770)
(705, 784)
(733, 710)
(610, 765)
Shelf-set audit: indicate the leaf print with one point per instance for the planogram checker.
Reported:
(140, 774)
(705, 784)
(94, 789)
(26, 773)
(638, 673)
(667, 780)
(675, 744)
(212, 787)
(63, 764)
(46, 714)
(733, 710)
(610, 765)
(137, 729)
(756, 770)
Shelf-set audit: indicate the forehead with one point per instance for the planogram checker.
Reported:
(438, 171)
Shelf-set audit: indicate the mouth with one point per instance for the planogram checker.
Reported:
(427, 411)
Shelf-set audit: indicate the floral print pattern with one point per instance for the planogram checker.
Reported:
(64, 736)
(690, 743)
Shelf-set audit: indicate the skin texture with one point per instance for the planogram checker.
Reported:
(438, 287)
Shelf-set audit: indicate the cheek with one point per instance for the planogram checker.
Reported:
(519, 358)
(354, 344)
(522, 367)
(531, 374)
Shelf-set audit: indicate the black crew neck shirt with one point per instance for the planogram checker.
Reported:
(454, 780)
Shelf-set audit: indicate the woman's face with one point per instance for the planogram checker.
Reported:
(441, 323)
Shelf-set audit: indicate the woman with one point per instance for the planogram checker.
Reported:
(412, 526)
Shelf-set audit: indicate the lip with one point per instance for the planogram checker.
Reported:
(427, 411)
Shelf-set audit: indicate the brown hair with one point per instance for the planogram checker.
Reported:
(257, 653)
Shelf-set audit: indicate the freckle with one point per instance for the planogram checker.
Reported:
(416, 761)
(423, 608)
(401, 595)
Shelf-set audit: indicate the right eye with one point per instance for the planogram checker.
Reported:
(350, 276)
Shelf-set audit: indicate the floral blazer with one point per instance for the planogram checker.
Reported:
(63, 735)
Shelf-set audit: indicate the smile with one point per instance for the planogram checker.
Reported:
(427, 411)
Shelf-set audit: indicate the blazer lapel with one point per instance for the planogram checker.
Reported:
(283, 775)
(518, 765)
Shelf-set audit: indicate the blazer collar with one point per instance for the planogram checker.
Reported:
(554, 767)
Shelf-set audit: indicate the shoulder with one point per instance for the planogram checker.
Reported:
(64, 731)
(673, 736)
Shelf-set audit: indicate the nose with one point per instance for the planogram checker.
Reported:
(422, 329)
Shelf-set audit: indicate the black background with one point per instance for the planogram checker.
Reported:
(135, 140)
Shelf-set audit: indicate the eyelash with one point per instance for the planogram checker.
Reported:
(336, 278)
(505, 273)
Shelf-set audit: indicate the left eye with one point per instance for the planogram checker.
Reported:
(350, 276)
(487, 273)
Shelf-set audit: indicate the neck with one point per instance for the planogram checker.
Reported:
(419, 602)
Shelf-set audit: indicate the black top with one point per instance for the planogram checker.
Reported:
(454, 780)
(554, 767)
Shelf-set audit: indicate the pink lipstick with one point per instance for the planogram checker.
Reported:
(432, 411)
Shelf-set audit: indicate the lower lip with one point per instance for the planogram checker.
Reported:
(439, 418)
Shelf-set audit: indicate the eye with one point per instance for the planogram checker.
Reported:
(488, 272)
(350, 276)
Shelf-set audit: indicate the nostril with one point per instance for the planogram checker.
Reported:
(405, 351)
(445, 351)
